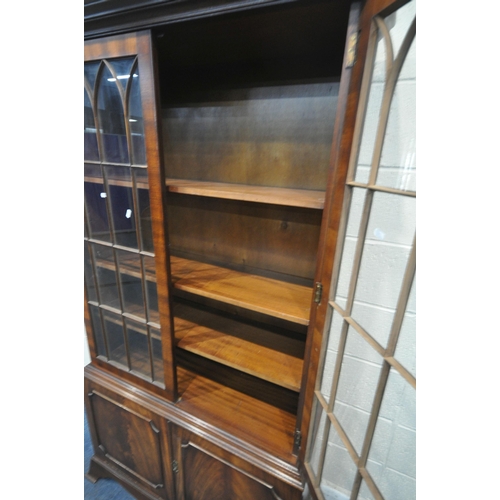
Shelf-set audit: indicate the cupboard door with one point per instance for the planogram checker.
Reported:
(361, 433)
(127, 303)
(130, 443)
(206, 472)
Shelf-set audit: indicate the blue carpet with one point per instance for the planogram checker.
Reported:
(104, 489)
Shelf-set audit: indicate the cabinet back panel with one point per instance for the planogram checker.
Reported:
(265, 136)
(250, 237)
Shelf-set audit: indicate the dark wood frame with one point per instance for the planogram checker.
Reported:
(140, 45)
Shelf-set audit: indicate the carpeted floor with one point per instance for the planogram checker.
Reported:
(104, 489)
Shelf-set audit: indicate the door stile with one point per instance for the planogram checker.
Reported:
(157, 190)
(350, 84)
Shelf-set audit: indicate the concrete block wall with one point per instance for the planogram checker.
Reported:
(390, 233)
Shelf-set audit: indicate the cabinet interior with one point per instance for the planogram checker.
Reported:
(248, 104)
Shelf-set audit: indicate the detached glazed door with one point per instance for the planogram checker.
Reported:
(126, 298)
(361, 439)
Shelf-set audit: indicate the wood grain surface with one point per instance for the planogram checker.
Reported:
(248, 348)
(276, 298)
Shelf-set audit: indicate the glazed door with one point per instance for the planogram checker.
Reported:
(361, 431)
(126, 297)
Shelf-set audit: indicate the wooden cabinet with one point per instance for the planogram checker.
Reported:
(216, 138)
(131, 443)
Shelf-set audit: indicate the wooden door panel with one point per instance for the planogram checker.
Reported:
(206, 471)
(129, 439)
(206, 478)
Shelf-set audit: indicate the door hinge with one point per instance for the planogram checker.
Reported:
(175, 466)
(318, 292)
(297, 439)
(352, 50)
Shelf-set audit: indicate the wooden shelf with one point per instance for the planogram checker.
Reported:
(249, 418)
(138, 312)
(129, 265)
(287, 301)
(279, 299)
(276, 196)
(257, 351)
(140, 363)
(117, 181)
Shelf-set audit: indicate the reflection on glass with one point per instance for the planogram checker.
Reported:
(89, 275)
(97, 330)
(151, 291)
(106, 276)
(129, 266)
(350, 241)
(144, 212)
(339, 470)
(136, 121)
(113, 327)
(398, 162)
(111, 119)
(138, 344)
(359, 375)
(331, 355)
(158, 374)
(121, 200)
(90, 71)
(392, 458)
(95, 197)
(389, 237)
(122, 68)
(317, 437)
(90, 148)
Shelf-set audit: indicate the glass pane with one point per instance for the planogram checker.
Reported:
(91, 151)
(111, 119)
(129, 267)
(121, 199)
(389, 237)
(158, 375)
(358, 381)
(398, 162)
(365, 493)
(370, 123)
(106, 276)
(122, 68)
(406, 348)
(144, 210)
(95, 203)
(399, 22)
(151, 291)
(139, 348)
(113, 327)
(90, 71)
(339, 470)
(317, 437)
(350, 242)
(136, 121)
(89, 275)
(392, 458)
(97, 330)
(331, 354)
